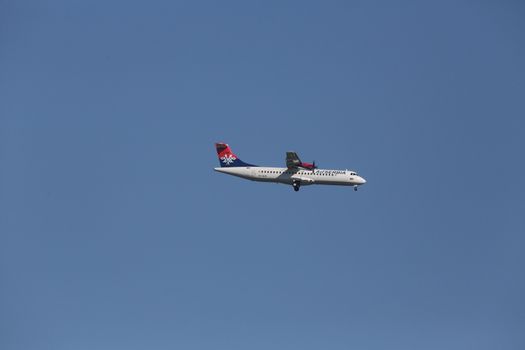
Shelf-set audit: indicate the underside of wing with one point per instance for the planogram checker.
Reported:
(292, 160)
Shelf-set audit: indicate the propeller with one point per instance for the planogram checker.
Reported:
(313, 166)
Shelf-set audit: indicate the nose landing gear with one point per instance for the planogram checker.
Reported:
(355, 187)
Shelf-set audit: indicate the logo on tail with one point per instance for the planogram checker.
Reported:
(227, 158)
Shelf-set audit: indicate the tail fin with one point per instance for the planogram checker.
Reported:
(227, 158)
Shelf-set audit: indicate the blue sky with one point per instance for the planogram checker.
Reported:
(115, 233)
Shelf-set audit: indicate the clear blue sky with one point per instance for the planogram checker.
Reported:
(116, 233)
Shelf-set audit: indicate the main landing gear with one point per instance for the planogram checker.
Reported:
(296, 185)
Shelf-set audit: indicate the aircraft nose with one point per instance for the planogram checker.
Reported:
(363, 181)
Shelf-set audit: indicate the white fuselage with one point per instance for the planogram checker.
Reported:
(289, 176)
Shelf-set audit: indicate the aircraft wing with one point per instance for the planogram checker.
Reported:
(292, 160)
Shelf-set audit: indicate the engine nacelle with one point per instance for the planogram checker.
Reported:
(308, 166)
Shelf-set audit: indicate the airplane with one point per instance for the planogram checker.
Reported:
(296, 173)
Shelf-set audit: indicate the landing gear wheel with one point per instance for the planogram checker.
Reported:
(296, 186)
(355, 188)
